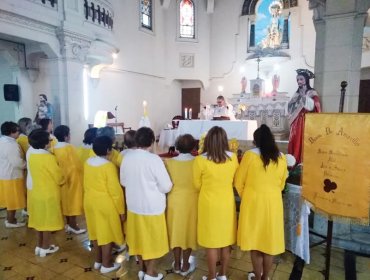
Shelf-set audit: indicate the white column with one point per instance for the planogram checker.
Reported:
(339, 30)
(74, 49)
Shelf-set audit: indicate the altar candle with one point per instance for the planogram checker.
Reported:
(186, 113)
(144, 106)
(190, 113)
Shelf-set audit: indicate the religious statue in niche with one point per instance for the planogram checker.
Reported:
(274, 32)
(44, 109)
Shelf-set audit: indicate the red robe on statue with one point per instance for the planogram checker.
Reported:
(297, 110)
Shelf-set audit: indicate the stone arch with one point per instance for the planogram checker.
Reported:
(249, 7)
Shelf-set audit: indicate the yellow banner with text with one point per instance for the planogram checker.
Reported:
(336, 164)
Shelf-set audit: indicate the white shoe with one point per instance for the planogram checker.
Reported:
(174, 270)
(104, 269)
(148, 277)
(190, 270)
(51, 250)
(16, 225)
(141, 274)
(37, 251)
(97, 265)
(118, 248)
(70, 229)
(205, 278)
(223, 277)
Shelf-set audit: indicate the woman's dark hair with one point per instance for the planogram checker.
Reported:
(61, 132)
(185, 143)
(101, 145)
(144, 137)
(44, 123)
(8, 128)
(216, 145)
(265, 141)
(25, 125)
(129, 139)
(90, 135)
(39, 138)
(307, 78)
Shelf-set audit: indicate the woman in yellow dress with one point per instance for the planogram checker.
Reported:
(103, 204)
(259, 182)
(44, 179)
(12, 165)
(25, 125)
(85, 150)
(214, 172)
(146, 182)
(72, 189)
(182, 206)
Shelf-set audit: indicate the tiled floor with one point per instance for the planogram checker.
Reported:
(74, 261)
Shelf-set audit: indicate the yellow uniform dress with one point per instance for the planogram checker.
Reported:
(261, 220)
(115, 157)
(44, 179)
(216, 204)
(84, 152)
(182, 203)
(103, 201)
(22, 141)
(12, 165)
(72, 189)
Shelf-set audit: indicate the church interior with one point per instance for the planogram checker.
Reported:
(164, 64)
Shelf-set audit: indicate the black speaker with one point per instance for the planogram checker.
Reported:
(11, 92)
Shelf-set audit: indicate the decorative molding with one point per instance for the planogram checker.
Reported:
(26, 22)
(187, 60)
(73, 46)
(318, 7)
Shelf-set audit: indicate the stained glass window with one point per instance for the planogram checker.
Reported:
(146, 13)
(187, 19)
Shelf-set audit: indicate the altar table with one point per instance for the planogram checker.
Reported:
(239, 129)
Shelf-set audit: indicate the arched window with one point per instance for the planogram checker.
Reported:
(146, 14)
(187, 19)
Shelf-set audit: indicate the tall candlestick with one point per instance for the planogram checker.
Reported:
(190, 113)
(144, 106)
(186, 113)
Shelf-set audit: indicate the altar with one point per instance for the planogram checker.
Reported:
(241, 130)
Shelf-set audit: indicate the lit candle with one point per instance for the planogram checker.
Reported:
(190, 113)
(186, 113)
(144, 106)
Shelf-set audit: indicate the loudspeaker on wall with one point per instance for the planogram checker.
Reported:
(11, 92)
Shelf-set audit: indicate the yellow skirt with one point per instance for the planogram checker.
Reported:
(12, 194)
(72, 196)
(147, 235)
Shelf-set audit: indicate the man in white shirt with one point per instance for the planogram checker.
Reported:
(223, 110)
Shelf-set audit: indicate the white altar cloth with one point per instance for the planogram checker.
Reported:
(167, 138)
(239, 129)
(296, 212)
